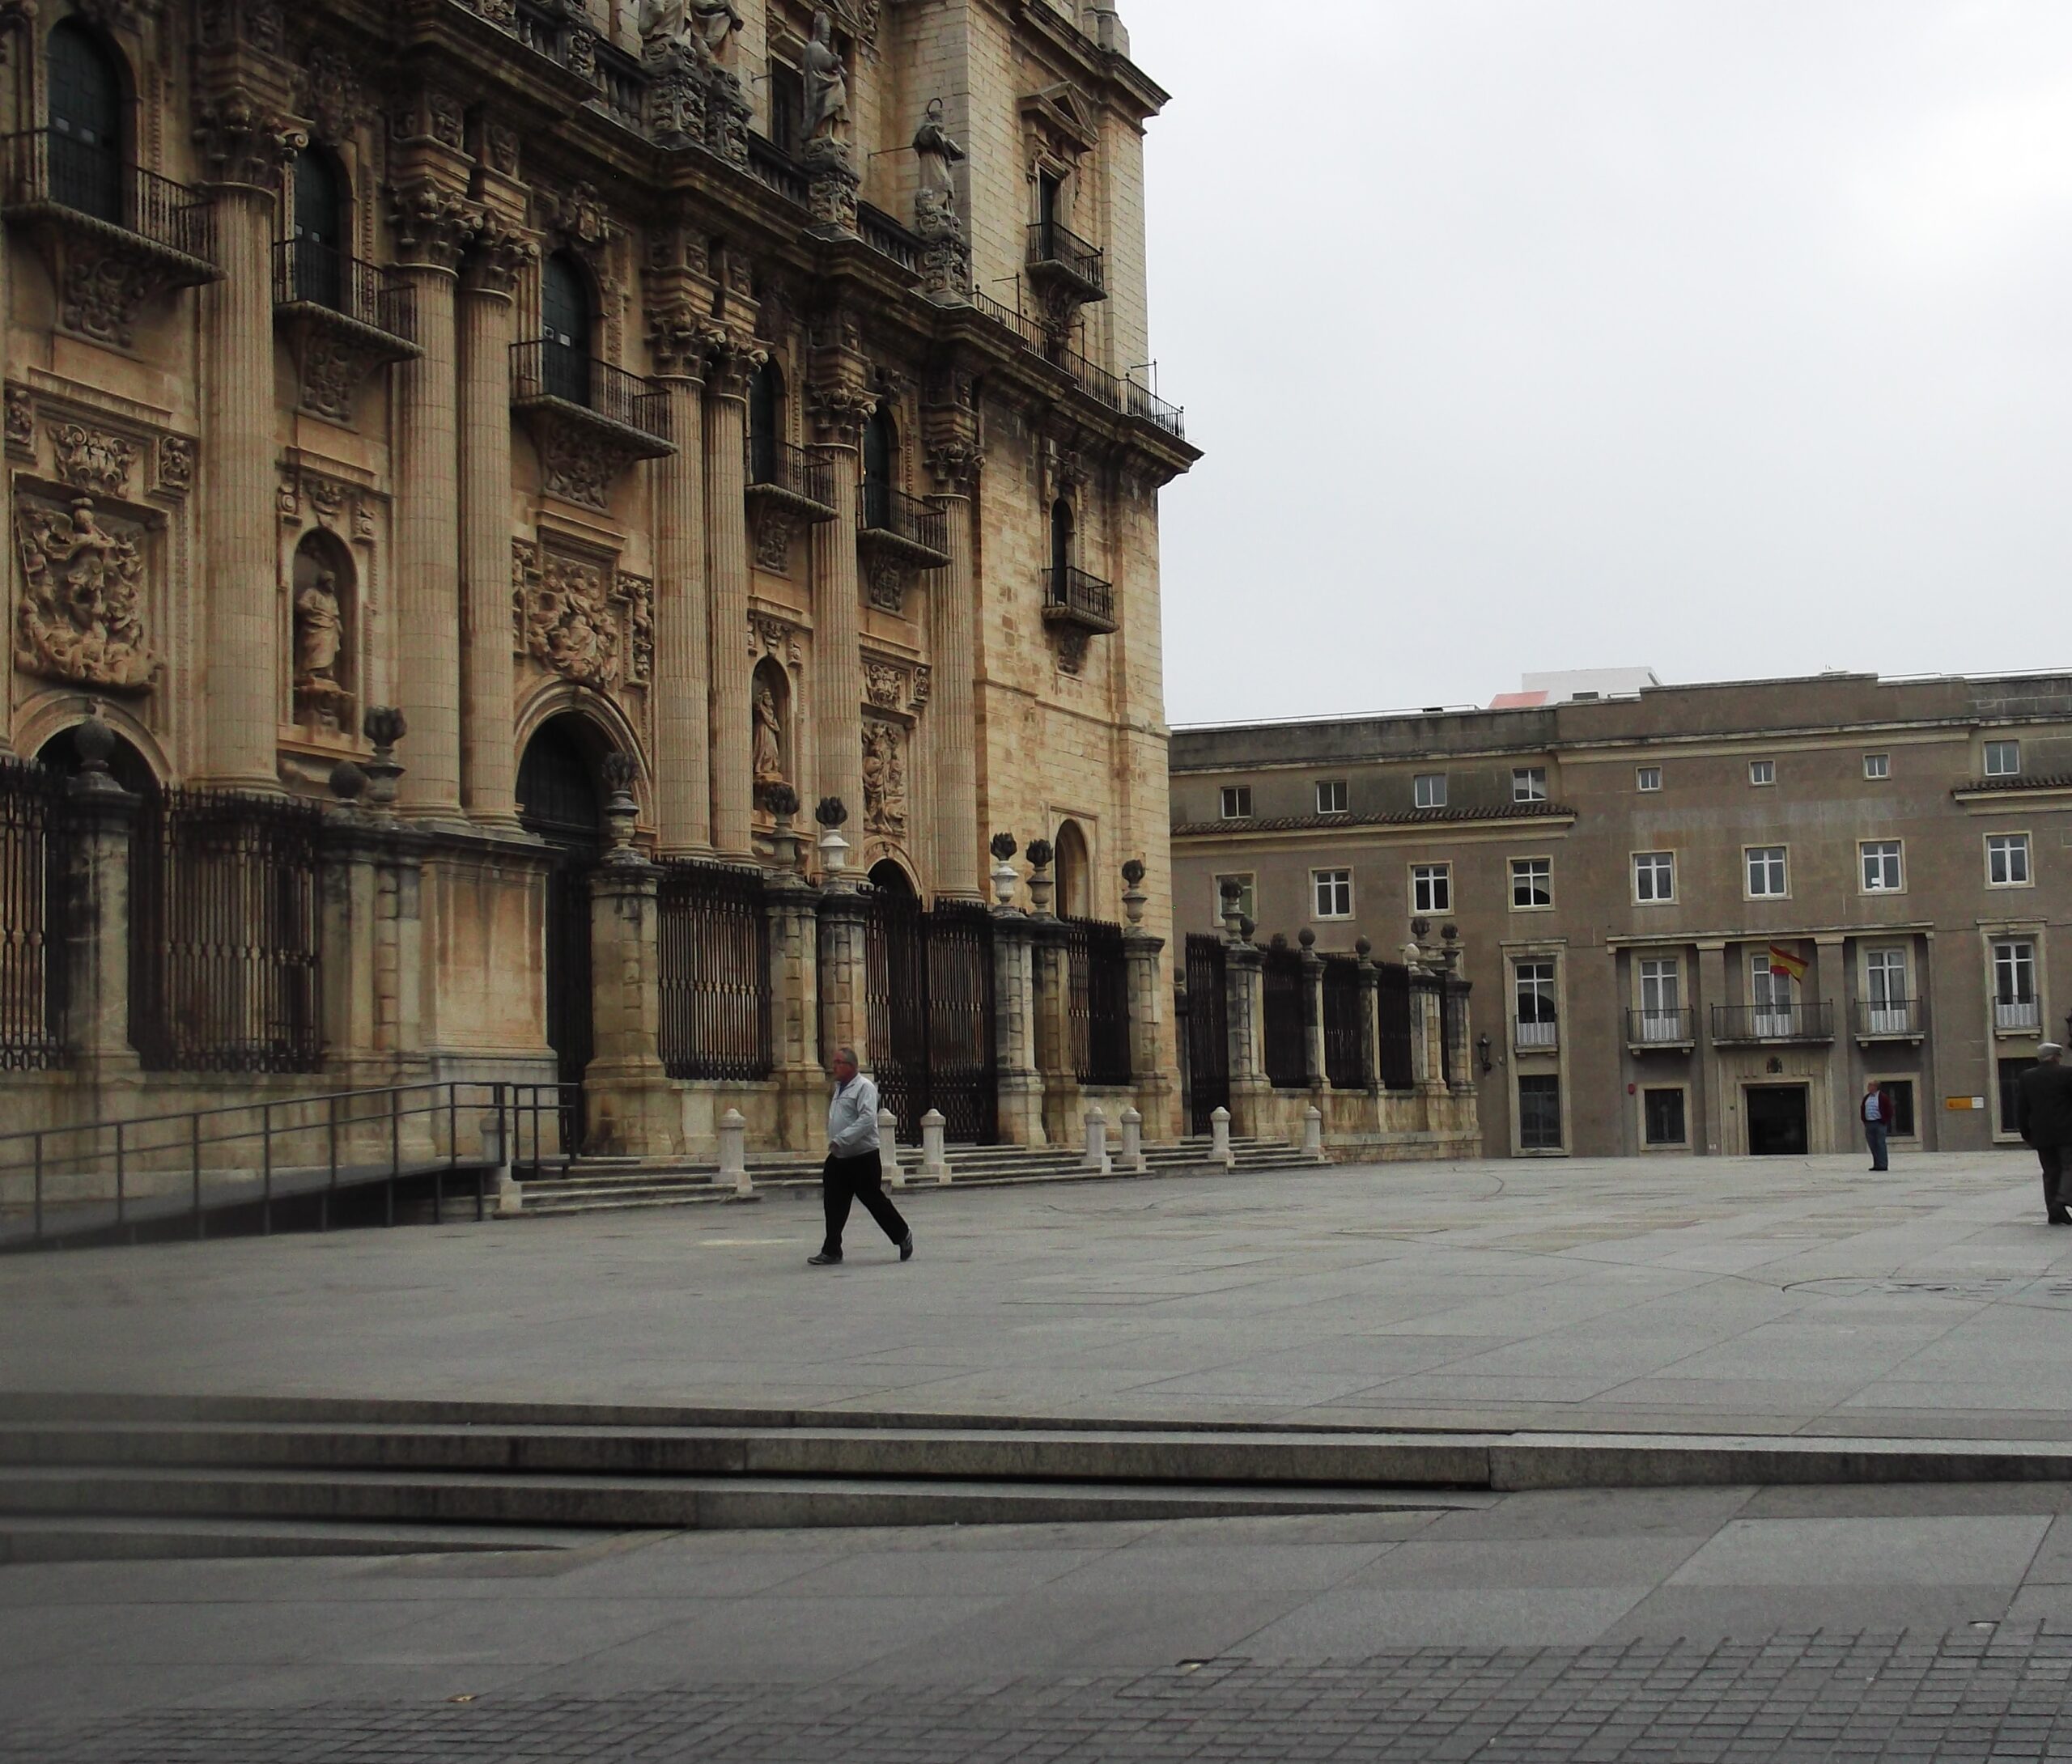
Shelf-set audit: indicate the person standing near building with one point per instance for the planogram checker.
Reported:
(853, 1172)
(2044, 1113)
(1876, 1110)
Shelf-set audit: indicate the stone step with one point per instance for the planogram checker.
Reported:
(26, 1537)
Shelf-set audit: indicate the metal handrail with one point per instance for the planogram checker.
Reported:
(884, 508)
(1051, 243)
(309, 273)
(542, 369)
(774, 464)
(1889, 1016)
(1667, 1027)
(48, 166)
(1075, 590)
(1774, 1021)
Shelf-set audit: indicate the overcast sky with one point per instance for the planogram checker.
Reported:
(1729, 338)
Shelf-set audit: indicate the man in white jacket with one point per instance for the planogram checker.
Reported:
(852, 1171)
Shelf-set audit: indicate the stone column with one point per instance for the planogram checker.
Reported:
(489, 760)
(97, 974)
(630, 1099)
(791, 902)
(683, 675)
(844, 1012)
(838, 661)
(1244, 982)
(1424, 1027)
(1314, 1066)
(726, 529)
(1713, 1101)
(1370, 1012)
(1020, 1083)
(952, 723)
(1145, 978)
(433, 226)
(244, 150)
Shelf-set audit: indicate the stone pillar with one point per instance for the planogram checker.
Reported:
(1371, 1011)
(952, 722)
(243, 152)
(1145, 978)
(489, 760)
(1314, 1065)
(844, 1015)
(630, 1101)
(838, 669)
(1051, 970)
(683, 697)
(790, 902)
(433, 226)
(1428, 1061)
(1020, 1084)
(1708, 1134)
(97, 974)
(726, 531)
(1244, 982)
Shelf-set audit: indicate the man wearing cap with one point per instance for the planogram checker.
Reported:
(2044, 1113)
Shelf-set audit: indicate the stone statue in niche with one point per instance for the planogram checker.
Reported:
(689, 27)
(827, 83)
(81, 614)
(937, 154)
(320, 627)
(769, 736)
(885, 781)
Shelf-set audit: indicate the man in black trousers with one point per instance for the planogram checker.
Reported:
(852, 1171)
(2044, 1113)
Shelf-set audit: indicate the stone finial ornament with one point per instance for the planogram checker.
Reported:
(1305, 937)
(348, 781)
(1040, 854)
(384, 726)
(830, 811)
(1004, 846)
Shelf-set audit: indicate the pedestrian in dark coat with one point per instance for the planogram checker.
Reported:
(2044, 1113)
(1875, 1111)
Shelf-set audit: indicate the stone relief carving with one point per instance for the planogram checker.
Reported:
(769, 636)
(500, 147)
(568, 622)
(101, 292)
(578, 215)
(326, 495)
(923, 684)
(638, 592)
(886, 590)
(80, 616)
(328, 91)
(93, 459)
(774, 528)
(176, 465)
(362, 518)
(885, 780)
(1071, 641)
(577, 466)
(885, 684)
(21, 419)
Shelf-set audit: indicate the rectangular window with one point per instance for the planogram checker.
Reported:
(1540, 1113)
(2011, 1092)
(1535, 984)
(1898, 1096)
(787, 108)
(1529, 784)
(1237, 801)
(1647, 778)
(1246, 904)
(1886, 1007)
(2014, 1003)
(1331, 796)
(1654, 876)
(1431, 887)
(1661, 999)
(2003, 759)
(1766, 873)
(1332, 891)
(1762, 771)
(1877, 765)
(1532, 882)
(1430, 790)
(1662, 1112)
(1770, 997)
(2007, 860)
(1881, 865)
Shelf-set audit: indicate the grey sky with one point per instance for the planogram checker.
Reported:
(1728, 337)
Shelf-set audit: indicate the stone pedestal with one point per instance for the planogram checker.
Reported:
(844, 1018)
(633, 1106)
(1019, 1082)
(97, 957)
(832, 182)
(791, 904)
(1051, 964)
(1244, 979)
(1315, 1065)
(1146, 979)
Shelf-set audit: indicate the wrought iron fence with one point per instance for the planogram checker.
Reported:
(887, 509)
(1399, 1061)
(1028, 330)
(1209, 1029)
(542, 368)
(1099, 1002)
(1347, 1060)
(48, 166)
(713, 955)
(1284, 1025)
(225, 965)
(929, 1014)
(37, 853)
(308, 272)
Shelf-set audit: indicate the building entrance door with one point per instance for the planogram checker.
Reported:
(1777, 1120)
(559, 801)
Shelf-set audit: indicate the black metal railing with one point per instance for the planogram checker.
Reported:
(1392, 1003)
(48, 166)
(1086, 596)
(1814, 1022)
(306, 273)
(1895, 1017)
(1098, 1003)
(775, 464)
(1207, 1029)
(776, 168)
(1139, 400)
(225, 966)
(1029, 332)
(1052, 245)
(37, 853)
(884, 508)
(543, 369)
(1285, 1025)
(928, 994)
(1673, 1026)
(712, 947)
(1347, 1025)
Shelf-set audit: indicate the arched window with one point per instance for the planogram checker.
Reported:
(565, 327)
(890, 878)
(881, 464)
(766, 423)
(1075, 888)
(1061, 535)
(86, 124)
(319, 229)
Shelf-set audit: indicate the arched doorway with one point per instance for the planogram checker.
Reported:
(891, 879)
(766, 423)
(566, 323)
(1075, 879)
(86, 124)
(881, 467)
(319, 229)
(560, 800)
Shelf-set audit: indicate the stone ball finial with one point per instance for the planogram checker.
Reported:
(1004, 846)
(1133, 872)
(1247, 925)
(348, 781)
(1451, 934)
(1306, 938)
(94, 744)
(1362, 947)
(1421, 928)
(830, 811)
(1040, 854)
(385, 725)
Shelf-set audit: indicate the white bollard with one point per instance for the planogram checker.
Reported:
(933, 1163)
(733, 1152)
(1133, 1158)
(888, 1155)
(1313, 1134)
(1097, 1142)
(1219, 1139)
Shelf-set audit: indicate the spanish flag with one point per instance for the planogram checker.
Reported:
(1782, 961)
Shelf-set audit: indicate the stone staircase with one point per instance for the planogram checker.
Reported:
(601, 1184)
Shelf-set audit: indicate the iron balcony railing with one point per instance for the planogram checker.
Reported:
(543, 369)
(1140, 401)
(1895, 1017)
(1052, 247)
(306, 274)
(1074, 594)
(887, 509)
(1130, 396)
(1536, 1033)
(2017, 1014)
(47, 167)
(1028, 332)
(779, 465)
(1814, 1022)
(1670, 1027)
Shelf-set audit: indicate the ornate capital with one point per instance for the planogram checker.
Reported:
(735, 361)
(681, 336)
(955, 462)
(434, 223)
(499, 254)
(242, 142)
(840, 408)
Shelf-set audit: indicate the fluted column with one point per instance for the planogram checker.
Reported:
(244, 149)
(952, 724)
(434, 225)
(489, 763)
(683, 673)
(837, 674)
(726, 538)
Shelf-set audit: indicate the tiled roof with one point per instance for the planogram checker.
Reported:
(1406, 817)
(2055, 781)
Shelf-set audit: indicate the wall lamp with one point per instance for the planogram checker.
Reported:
(1482, 1053)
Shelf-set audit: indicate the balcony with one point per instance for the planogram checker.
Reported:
(1060, 257)
(1889, 1019)
(782, 475)
(1073, 597)
(1539, 1035)
(344, 318)
(1773, 1022)
(589, 420)
(2017, 1016)
(903, 528)
(1661, 1031)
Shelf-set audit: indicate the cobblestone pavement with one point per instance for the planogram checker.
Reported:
(1980, 1695)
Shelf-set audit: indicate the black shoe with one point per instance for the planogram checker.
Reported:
(906, 1248)
(823, 1260)
(2061, 1219)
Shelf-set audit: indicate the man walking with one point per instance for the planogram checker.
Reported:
(852, 1171)
(2044, 1113)
(1877, 1113)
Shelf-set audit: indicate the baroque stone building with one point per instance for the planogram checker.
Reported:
(736, 404)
